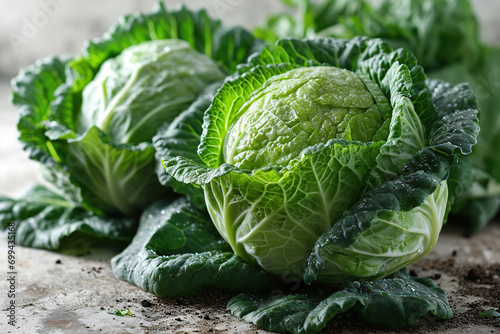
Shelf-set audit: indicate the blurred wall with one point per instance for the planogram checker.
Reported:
(32, 29)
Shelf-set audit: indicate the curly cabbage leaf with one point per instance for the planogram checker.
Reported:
(43, 219)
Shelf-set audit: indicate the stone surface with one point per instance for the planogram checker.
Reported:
(72, 292)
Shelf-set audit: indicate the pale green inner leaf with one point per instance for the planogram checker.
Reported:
(147, 85)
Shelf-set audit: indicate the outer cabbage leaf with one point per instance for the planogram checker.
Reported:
(382, 233)
(396, 301)
(177, 251)
(33, 91)
(119, 179)
(46, 220)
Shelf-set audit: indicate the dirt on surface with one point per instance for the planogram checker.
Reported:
(78, 293)
(471, 289)
(475, 288)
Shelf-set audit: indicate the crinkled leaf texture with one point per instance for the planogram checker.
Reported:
(109, 178)
(396, 301)
(340, 201)
(46, 220)
(177, 252)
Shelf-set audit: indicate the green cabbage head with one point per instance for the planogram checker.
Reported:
(328, 159)
(110, 153)
(90, 119)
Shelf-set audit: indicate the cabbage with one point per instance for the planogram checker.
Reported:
(328, 160)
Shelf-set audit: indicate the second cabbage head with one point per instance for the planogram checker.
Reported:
(328, 159)
(89, 119)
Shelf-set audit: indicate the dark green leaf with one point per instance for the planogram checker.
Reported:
(458, 117)
(477, 206)
(177, 252)
(393, 302)
(33, 90)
